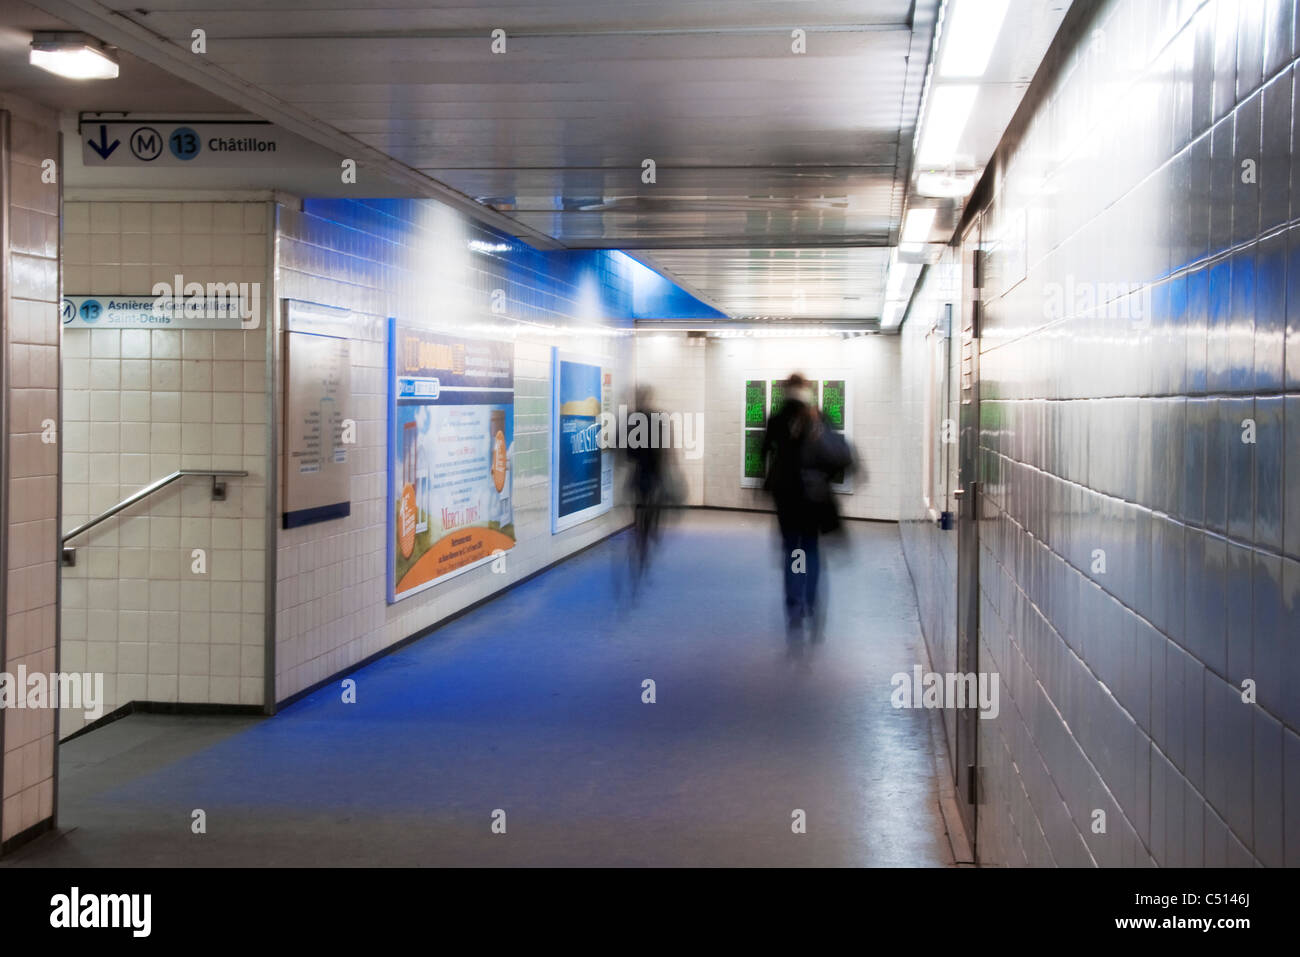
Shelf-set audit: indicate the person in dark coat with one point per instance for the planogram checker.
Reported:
(651, 487)
(803, 455)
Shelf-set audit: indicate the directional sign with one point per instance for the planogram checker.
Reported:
(148, 143)
(104, 149)
(149, 312)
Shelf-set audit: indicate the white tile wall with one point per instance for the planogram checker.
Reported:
(711, 377)
(138, 404)
(673, 366)
(411, 260)
(31, 317)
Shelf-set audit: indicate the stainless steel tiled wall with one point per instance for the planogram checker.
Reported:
(931, 551)
(1140, 448)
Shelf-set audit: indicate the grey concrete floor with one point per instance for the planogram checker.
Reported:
(532, 704)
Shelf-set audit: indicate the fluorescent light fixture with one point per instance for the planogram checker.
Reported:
(900, 283)
(803, 331)
(917, 225)
(946, 115)
(75, 56)
(944, 185)
(972, 34)
(900, 275)
(479, 246)
(892, 315)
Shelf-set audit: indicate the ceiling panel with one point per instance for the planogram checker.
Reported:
(520, 17)
(785, 283)
(614, 101)
(756, 147)
(763, 186)
(754, 144)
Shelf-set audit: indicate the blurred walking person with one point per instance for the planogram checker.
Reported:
(652, 484)
(804, 454)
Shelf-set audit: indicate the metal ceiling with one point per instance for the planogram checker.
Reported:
(757, 148)
(791, 283)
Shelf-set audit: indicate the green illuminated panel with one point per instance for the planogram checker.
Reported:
(755, 402)
(833, 402)
(778, 394)
(754, 453)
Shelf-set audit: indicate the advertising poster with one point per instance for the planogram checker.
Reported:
(450, 455)
(582, 473)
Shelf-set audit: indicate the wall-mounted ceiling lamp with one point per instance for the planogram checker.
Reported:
(917, 224)
(946, 113)
(75, 56)
(971, 34)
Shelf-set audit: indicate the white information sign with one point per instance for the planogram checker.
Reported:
(153, 312)
(144, 143)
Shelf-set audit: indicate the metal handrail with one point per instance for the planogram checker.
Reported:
(218, 492)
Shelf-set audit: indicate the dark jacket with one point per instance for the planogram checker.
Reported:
(646, 480)
(653, 479)
(803, 455)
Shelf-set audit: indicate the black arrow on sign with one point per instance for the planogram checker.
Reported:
(103, 147)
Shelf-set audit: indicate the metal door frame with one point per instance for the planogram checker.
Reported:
(966, 746)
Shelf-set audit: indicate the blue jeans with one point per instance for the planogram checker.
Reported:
(801, 574)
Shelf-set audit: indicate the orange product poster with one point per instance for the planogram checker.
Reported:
(451, 457)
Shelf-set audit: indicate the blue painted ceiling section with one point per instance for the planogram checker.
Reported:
(656, 297)
(594, 285)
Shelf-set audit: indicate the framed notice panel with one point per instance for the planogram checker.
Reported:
(317, 404)
(763, 398)
(450, 455)
(582, 472)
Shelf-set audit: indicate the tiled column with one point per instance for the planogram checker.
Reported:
(29, 298)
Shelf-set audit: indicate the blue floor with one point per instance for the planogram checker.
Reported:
(532, 704)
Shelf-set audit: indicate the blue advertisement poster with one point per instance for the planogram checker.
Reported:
(450, 455)
(582, 471)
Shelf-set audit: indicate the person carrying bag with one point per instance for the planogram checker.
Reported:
(804, 457)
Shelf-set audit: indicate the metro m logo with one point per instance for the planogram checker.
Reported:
(146, 143)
